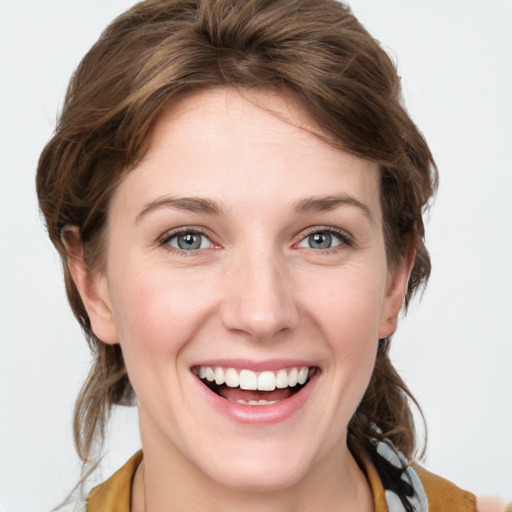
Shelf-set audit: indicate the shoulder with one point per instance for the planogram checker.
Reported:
(408, 486)
(488, 504)
(114, 494)
(443, 495)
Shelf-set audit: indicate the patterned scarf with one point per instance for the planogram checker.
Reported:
(415, 500)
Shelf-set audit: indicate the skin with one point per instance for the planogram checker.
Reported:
(255, 290)
(491, 504)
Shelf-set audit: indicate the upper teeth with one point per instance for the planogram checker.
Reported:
(261, 381)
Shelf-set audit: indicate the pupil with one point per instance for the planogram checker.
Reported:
(189, 241)
(320, 241)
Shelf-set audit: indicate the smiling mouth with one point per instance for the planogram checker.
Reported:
(246, 387)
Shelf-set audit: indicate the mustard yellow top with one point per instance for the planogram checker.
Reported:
(114, 494)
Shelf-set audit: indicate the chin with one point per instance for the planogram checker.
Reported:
(260, 475)
(261, 465)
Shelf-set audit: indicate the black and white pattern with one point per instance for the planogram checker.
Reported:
(418, 499)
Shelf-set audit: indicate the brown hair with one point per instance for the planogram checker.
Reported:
(312, 50)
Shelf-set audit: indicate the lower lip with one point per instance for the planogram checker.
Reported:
(259, 414)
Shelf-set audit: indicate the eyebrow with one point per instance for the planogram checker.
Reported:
(191, 204)
(326, 203)
(210, 207)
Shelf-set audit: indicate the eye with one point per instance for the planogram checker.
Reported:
(188, 241)
(324, 239)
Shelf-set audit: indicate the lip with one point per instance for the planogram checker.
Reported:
(256, 366)
(258, 415)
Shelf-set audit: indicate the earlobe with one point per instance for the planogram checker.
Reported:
(396, 288)
(92, 287)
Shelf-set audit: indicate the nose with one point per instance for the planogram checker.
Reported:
(259, 300)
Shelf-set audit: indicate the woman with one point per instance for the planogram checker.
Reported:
(237, 202)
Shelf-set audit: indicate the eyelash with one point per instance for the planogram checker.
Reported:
(168, 237)
(345, 239)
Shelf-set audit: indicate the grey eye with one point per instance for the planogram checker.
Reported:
(189, 241)
(320, 240)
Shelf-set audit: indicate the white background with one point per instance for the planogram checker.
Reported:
(454, 350)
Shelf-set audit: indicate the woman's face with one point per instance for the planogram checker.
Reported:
(246, 250)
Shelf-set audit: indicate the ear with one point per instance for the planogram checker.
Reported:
(92, 287)
(396, 287)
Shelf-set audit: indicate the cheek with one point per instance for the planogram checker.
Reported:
(155, 315)
(348, 313)
(348, 306)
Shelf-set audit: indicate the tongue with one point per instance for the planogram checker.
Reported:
(235, 394)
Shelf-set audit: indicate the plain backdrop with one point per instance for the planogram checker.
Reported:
(454, 349)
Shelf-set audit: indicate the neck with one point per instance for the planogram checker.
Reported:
(167, 483)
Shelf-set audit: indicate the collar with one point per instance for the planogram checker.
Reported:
(114, 495)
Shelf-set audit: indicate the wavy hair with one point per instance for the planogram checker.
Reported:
(314, 51)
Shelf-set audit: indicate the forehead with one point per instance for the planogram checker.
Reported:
(249, 145)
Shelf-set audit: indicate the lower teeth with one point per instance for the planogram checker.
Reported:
(255, 402)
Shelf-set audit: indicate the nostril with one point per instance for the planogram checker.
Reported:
(261, 323)
(258, 300)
